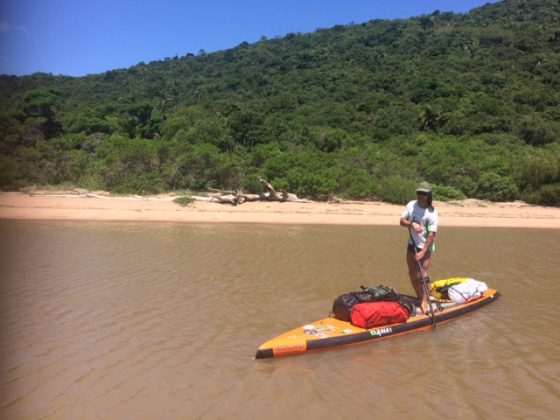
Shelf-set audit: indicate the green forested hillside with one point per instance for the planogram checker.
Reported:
(468, 102)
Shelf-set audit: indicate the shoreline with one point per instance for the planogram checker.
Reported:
(83, 206)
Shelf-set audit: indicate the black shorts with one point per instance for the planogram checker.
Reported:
(411, 247)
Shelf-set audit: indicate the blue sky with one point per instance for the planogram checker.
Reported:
(79, 37)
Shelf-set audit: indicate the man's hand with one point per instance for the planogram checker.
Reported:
(417, 228)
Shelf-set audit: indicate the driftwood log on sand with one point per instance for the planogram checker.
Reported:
(237, 197)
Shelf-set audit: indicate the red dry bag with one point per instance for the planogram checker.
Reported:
(376, 314)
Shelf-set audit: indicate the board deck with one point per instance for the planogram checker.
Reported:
(331, 333)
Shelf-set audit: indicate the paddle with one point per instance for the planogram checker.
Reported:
(425, 281)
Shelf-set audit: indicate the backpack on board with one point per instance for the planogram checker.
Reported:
(343, 304)
(376, 314)
(467, 291)
(439, 289)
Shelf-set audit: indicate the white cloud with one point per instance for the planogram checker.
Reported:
(6, 27)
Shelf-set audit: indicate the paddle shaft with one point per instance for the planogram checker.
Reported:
(425, 281)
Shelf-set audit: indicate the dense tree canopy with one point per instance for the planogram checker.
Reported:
(468, 102)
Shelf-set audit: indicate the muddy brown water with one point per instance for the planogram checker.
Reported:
(136, 320)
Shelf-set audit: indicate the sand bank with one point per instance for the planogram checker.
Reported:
(48, 205)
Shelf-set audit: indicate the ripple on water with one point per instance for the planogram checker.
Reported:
(151, 320)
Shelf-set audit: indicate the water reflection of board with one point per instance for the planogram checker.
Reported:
(330, 332)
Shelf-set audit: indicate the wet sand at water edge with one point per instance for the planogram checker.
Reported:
(72, 205)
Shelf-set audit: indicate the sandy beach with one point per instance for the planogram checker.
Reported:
(71, 205)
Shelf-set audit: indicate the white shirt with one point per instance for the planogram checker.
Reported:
(427, 218)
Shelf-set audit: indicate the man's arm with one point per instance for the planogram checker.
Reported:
(410, 224)
(429, 241)
(405, 222)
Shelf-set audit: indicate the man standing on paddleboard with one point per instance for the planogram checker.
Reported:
(421, 219)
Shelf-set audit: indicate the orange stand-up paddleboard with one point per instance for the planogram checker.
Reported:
(330, 333)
